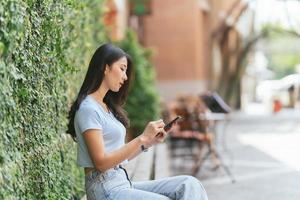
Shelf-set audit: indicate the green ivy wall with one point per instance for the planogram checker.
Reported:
(41, 44)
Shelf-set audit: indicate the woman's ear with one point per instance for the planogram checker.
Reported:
(106, 69)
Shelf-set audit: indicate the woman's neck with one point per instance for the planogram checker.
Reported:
(100, 94)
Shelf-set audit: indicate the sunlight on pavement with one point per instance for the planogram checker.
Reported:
(282, 147)
(257, 109)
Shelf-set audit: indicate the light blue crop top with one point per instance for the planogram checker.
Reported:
(91, 115)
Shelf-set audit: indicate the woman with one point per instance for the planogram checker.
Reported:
(98, 123)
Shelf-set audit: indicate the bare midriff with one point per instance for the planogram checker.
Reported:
(87, 170)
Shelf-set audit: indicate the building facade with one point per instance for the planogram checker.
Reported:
(178, 33)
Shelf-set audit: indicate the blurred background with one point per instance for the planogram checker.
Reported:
(230, 67)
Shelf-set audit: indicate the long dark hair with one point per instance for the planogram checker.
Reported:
(105, 54)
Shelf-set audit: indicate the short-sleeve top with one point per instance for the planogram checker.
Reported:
(91, 115)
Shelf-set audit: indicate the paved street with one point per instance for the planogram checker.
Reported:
(261, 150)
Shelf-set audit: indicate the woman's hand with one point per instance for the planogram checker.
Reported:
(161, 135)
(150, 133)
(159, 138)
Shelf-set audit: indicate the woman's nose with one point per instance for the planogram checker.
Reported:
(125, 77)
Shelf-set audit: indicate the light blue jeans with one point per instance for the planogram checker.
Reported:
(114, 184)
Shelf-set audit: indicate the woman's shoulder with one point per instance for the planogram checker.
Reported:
(87, 117)
(89, 107)
(88, 112)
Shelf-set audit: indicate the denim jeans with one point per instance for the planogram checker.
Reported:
(114, 184)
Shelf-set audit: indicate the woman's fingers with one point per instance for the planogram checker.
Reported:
(157, 125)
(160, 123)
(154, 128)
(161, 136)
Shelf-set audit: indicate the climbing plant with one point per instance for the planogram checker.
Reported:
(42, 44)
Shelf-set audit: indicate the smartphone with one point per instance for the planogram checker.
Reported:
(168, 126)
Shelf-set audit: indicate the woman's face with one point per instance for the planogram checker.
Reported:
(115, 75)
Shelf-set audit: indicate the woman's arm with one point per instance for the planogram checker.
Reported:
(135, 154)
(103, 161)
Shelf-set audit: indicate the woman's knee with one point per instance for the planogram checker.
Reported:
(194, 183)
(190, 180)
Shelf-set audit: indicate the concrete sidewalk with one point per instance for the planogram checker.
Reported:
(262, 151)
